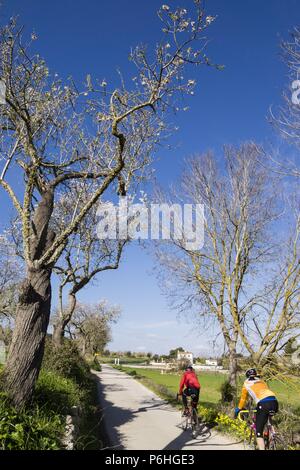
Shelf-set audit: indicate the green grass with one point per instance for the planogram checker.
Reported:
(211, 383)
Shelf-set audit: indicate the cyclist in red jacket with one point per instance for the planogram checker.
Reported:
(189, 385)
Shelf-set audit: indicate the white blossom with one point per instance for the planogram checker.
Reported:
(209, 19)
(184, 24)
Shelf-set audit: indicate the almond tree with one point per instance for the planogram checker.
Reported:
(90, 326)
(84, 257)
(52, 134)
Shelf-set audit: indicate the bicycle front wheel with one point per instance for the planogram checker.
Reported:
(195, 422)
(252, 440)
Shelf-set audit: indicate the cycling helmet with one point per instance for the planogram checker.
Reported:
(251, 373)
(189, 367)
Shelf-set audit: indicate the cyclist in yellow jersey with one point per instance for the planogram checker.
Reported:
(264, 399)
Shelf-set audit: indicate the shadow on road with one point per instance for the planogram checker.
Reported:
(186, 439)
(157, 405)
(118, 415)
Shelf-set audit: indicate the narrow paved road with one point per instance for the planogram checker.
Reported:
(135, 418)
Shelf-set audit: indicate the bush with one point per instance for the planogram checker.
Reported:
(57, 393)
(66, 361)
(208, 415)
(287, 422)
(95, 364)
(228, 392)
(132, 373)
(64, 381)
(30, 429)
(233, 426)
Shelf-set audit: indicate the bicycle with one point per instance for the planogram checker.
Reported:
(191, 419)
(273, 440)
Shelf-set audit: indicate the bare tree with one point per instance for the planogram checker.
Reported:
(239, 207)
(54, 134)
(90, 326)
(273, 312)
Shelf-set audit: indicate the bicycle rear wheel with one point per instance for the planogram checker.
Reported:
(276, 442)
(184, 423)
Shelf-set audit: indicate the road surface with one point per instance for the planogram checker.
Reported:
(135, 418)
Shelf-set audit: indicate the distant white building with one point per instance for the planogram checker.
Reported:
(185, 356)
(211, 362)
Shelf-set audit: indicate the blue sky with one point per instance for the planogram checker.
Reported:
(94, 37)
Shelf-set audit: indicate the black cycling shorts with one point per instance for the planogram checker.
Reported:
(191, 391)
(263, 410)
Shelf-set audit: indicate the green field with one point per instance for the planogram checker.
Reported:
(211, 382)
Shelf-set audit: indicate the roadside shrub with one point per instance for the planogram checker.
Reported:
(95, 364)
(132, 373)
(208, 415)
(233, 426)
(57, 393)
(66, 361)
(287, 422)
(228, 392)
(64, 381)
(30, 429)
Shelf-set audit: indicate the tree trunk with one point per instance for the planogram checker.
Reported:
(63, 320)
(58, 332)
(33, 311)
(233, 369)
(27, 346)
